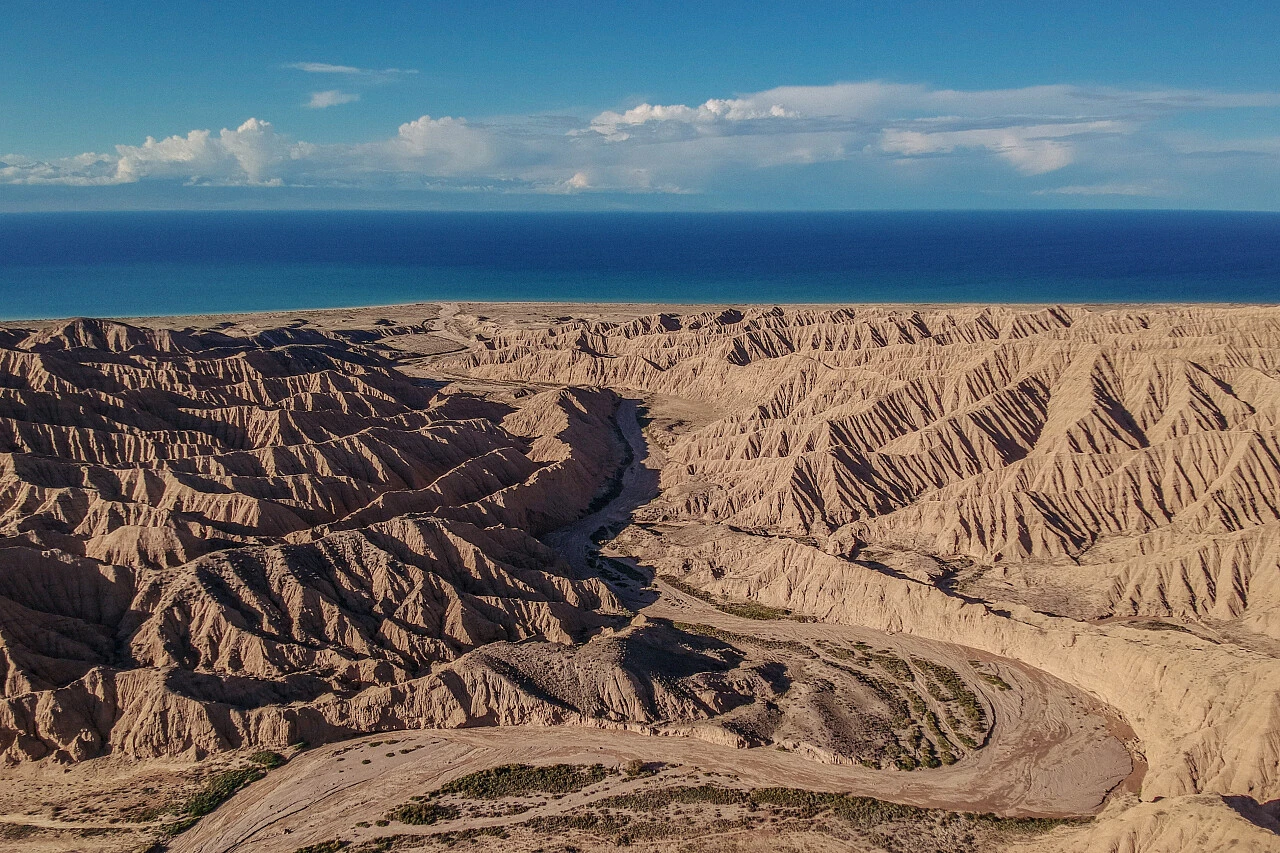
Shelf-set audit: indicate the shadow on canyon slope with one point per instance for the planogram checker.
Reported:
(634, 485)
(1263, 815)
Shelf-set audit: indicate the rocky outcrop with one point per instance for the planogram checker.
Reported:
(1006, 479)
(1174, 825)
(196, 529)
(650, 677)
(1142, 444)
(1207, 715)
(212, 540)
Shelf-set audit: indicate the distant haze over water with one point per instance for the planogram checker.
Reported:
(124, 264)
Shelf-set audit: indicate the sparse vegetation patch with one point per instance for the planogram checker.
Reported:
(753, 610)
(732, 637)
(423, 814)
(992, 678)
(893, 665)
(516, 780)
(686, 811)
(741, 609)
(218, 790)
(268, 759)
(946, 685)
(652, 799)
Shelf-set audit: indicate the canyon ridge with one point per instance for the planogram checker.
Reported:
(545, 577)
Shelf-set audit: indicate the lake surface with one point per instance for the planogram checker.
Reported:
(125, 264)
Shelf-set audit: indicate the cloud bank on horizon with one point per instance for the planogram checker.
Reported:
(1057, 141)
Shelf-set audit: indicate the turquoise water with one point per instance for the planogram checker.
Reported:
(121, 264)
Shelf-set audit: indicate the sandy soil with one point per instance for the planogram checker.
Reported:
(316, 797)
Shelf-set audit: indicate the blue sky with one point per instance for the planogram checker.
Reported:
(648, 105)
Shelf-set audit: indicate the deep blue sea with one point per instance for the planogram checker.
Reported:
(122, 264)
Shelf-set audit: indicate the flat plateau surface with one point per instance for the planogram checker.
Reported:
(873, 578)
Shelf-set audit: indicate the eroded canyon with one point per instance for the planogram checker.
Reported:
(1016, 563)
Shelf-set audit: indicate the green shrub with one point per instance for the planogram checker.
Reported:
(516, 780)
(179, 826)
(893, 665)
(1029, 825)
(219, 789)
(422, 814)
(636, 767)
(268, 759)
(732, 637)
(753, 610)
(995, 680)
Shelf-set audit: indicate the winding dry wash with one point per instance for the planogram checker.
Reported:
(539, 577)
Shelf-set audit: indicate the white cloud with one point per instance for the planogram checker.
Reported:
(349, 70)
(84, 170)
(331, 98)
(323, 68)
(1033, 150)
(876, 100)
(353, 77)
(251, 154)
(610, 124)
(1107, 141)
(442, 146)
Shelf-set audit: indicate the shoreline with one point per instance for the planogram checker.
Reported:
(601, 307)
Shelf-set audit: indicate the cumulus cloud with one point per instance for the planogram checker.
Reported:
(1100, 141)
(331, 98)
(442, 146)
(252, 154)
(612, 125)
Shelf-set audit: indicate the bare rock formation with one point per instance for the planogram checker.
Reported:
(1205, 713)
(232, 537)
(1204, 822)
(195, 527)
(1092, 492)
(1135, 450)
